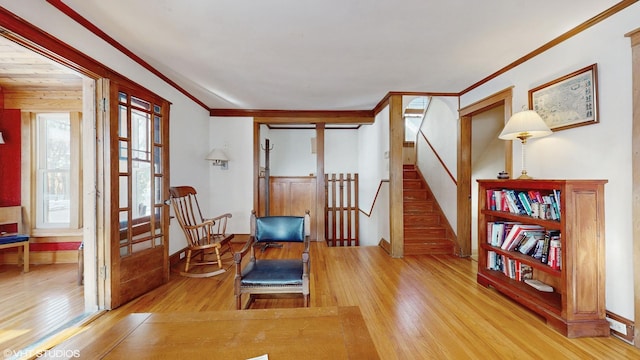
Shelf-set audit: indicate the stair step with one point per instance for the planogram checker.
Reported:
(420, 221)
(412, 184)
(415, 194)
(412, 207)
(410, 174)
(426, 233)
(423, 231)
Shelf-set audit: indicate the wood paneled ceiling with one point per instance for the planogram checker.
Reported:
(23, 70)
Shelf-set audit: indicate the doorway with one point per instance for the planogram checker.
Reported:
(59, 213)
(465, 170)
(487, 158)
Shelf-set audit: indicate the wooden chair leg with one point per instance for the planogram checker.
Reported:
(217, 248)
(186, 266)
(25, 257)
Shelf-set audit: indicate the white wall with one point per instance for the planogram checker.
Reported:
(291, 154)
(231, 190)
(341, 151)
(440, 126)
(189, 121)
(373, 167)
(600, 151)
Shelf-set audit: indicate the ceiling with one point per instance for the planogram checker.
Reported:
(329, 54)
(21, 69)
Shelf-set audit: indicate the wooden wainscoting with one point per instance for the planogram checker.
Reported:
(291, 195)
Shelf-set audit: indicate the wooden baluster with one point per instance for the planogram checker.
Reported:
(349, 209)
(333, 214)
(356, 214)
(326, 209)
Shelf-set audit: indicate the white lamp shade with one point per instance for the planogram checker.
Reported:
(217, 154)
(525, 124)
(1, 138)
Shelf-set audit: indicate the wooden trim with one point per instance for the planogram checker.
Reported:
(293, 116)
(464, 186)
(635, 166)
(487, 103)
(385, 100)
(444, 166)
(256, 166)
(319, 210)
(503, 97)
(558, 40)
(58, 4)
(40, 42)
(374, 198)
(396, 201)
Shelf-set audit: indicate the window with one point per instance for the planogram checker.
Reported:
(413, 115)
(57, 177)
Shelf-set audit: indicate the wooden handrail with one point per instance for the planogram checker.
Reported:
(375, 198)
(438, 157)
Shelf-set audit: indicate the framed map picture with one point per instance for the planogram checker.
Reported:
(569, 101)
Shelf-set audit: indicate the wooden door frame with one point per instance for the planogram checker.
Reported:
(466, 114)
(318, 212)
(635, 163)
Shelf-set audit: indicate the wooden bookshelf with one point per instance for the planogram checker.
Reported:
(576, 307)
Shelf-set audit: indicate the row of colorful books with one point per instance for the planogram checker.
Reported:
(527, 239)
(531, 203)
(512, 268)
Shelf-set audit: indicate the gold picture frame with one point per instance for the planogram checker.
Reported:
(569, 101)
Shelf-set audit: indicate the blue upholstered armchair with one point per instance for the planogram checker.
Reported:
(273, 277)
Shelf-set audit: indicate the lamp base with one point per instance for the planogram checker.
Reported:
(524, 176)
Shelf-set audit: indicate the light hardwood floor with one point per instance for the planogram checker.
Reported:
(34, 304)
(421, 307)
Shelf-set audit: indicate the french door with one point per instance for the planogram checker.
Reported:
(137, 218)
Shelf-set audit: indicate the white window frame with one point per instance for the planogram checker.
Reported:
(75, 185)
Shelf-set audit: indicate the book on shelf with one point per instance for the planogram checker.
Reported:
(534, 196)
(519, 241)
(509, 242)
(556, 197)
(548, 236)
(530, 242)
(555, 254)
(524, 200)
(509, 267)
(526, 272)
(537, 251)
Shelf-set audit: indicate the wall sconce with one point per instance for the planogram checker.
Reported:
(1, 138)
(218, 158)
(524, 125)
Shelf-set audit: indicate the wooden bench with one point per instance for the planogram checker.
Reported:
(12, 215)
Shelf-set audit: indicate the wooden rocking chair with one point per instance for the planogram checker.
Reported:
(205, 237)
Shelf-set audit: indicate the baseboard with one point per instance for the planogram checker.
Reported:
(177, 256)
(620, 327)
(385, 245)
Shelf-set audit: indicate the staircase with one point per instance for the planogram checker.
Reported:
(426, 231)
